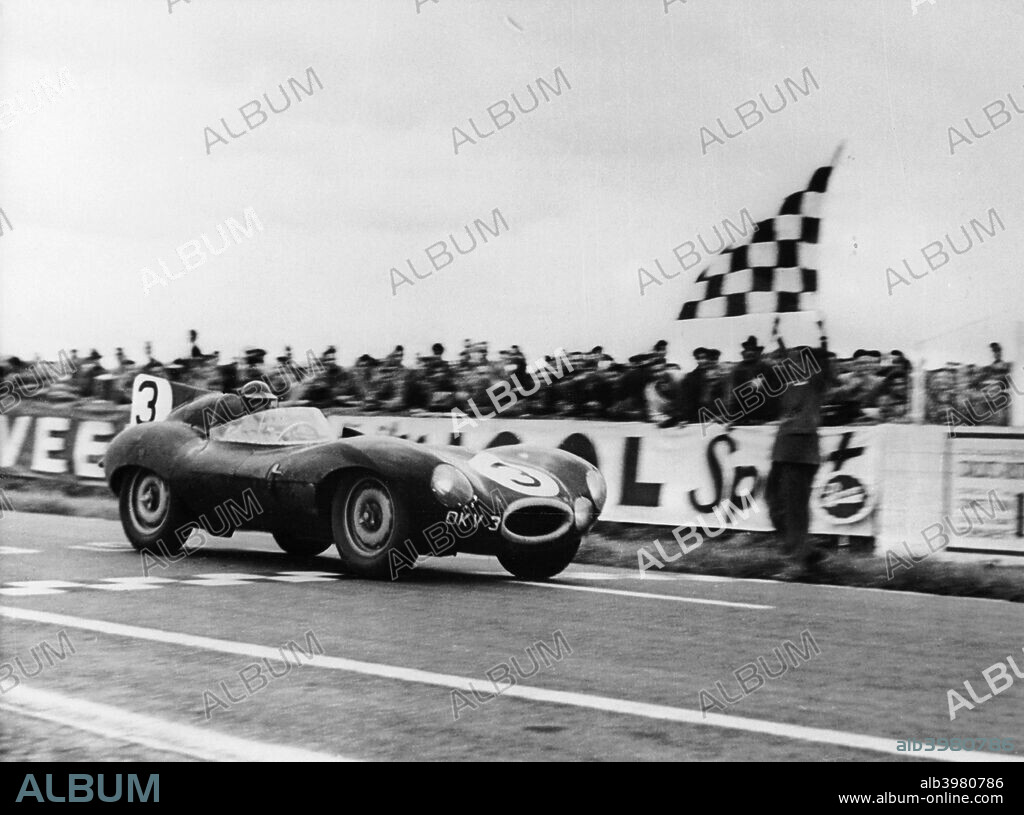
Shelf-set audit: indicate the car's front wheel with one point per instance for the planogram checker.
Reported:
(539, 561)
(301, 547)
(370, 523)
(151, 514)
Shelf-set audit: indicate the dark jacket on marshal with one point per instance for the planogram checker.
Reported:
(800, 414)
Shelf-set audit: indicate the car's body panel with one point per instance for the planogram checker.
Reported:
(294, 483)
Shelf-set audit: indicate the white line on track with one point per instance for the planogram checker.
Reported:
(817, 735)
(577, 571)
(646, 595)
(628, 574)
(621, 592)
(148, 731)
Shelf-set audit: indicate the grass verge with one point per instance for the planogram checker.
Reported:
(757, 555)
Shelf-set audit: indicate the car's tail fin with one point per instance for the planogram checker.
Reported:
(153, 398)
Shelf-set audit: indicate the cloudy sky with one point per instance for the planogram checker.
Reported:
(110, 176)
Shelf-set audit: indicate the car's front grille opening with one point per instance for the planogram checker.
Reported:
(536, 521)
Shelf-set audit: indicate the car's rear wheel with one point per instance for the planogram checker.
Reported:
(302, 547)
(539, 561)
(151, 514)
(370, 524)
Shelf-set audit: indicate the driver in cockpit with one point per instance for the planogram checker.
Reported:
(216, 409)
(257, 396)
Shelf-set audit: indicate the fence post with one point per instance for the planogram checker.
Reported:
(917, 390)
(1016, 400)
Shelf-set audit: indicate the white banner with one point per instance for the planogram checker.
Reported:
(671, 476)
(986, 507)
(678, 476)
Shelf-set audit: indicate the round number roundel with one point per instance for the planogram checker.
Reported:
(518, 477)
(845, 499)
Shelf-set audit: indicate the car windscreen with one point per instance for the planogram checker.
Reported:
(295, 425)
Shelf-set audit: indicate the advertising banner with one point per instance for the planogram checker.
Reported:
(679, 476)
(672, 476)
(986, 502)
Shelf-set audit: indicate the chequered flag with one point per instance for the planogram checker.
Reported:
(776, 271)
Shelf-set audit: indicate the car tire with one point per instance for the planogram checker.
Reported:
(539, 562)
(300, 547)
(151, 514)
(370, 525)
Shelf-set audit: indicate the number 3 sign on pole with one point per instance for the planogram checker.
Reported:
(152, 399)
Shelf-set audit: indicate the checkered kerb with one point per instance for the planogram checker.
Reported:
(777, 270)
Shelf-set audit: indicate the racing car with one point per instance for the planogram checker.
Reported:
(220, 462)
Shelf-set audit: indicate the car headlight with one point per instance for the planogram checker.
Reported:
(451, 486)
(583, 513)
(598, 488)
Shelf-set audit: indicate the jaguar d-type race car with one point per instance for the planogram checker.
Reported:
(223, 462)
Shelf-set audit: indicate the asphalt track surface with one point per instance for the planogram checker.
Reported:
(399, 657)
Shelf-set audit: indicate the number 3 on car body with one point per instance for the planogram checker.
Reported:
(527, 480)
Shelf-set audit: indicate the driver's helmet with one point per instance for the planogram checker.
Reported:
(257, 396)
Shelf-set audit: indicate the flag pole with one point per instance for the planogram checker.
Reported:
(1017, 401)
(819, 317)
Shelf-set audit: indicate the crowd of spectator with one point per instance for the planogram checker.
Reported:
(868, 387)
(970, 394)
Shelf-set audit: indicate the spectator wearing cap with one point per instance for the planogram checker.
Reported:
(282, 378)
(504, 370)
(602, 382)
(570, 388)
(534, 393)
(475, 377)
(900, 362)
(10, 367)
(253, 369)
(225, 377)
(858, 391)
(465, 355)
(998, 368)
(699, 388)
(517, 359)
(440, 380)
(151, 363)
(324, 388)
(392, 383)
(11, 370)
(85, 383)
(342, 383)
(431, 384)
(633, 379)
(752, 382)
(985, 395)
(364, 374)
(894, 400)
(123, 374)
